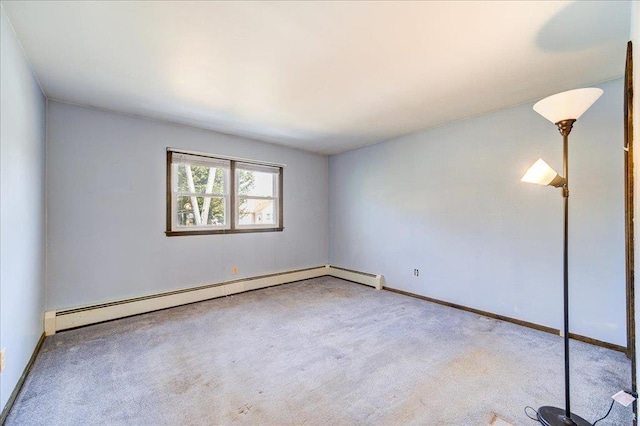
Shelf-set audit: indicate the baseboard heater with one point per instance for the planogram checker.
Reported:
(64, 319)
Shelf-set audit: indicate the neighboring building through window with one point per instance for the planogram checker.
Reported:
(208, 194)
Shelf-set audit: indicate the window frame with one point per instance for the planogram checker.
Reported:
(232, 225)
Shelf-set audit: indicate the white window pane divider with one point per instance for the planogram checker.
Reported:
(255, 197)
(200, 194)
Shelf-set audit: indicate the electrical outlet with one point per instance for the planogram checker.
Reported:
(2, 353)
(416, 272)
(234, 270)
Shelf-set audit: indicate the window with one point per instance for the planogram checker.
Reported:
(207, 194)
(257, 195)
(200, 192)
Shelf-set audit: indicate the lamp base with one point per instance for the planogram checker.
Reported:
(552, 416)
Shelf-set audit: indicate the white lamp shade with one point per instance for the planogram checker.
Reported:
(540, 173)
(568, 105)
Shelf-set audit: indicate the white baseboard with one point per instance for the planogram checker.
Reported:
(49, 323)
(63, 319)
(375, 281)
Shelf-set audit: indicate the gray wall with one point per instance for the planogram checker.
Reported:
(449, 202)
(22, 197)
(106, 186)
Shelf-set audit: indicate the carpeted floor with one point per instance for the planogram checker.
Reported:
(317, 352)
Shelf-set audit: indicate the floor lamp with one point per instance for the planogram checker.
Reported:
(562, 109)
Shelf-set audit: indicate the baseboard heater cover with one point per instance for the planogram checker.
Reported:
(58, 320)
(375, 281)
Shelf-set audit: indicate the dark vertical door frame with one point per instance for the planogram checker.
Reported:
(629, 216)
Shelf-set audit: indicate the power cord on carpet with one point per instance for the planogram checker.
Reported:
(634, 394)
(605, 416)
(527, 414)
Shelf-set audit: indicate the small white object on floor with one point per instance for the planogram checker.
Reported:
(623, 398)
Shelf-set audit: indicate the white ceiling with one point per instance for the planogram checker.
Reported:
(320, 76)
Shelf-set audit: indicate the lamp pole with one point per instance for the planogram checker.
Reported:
(551, 416)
